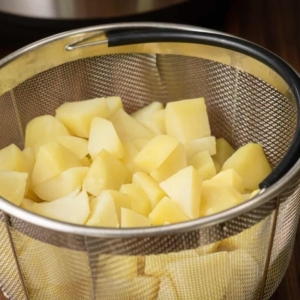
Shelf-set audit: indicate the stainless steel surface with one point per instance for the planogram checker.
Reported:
(246, 101)
(82, 9)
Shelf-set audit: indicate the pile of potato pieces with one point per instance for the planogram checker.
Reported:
(94, 164)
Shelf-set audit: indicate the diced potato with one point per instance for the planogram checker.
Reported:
(251, 163)
(77, 116)
(187, 120)
(246, 197)
(130, 152)
(61, 185)
(217, 196)
(139, 200)
(184, 188)
(130, 218)
(120, 200)
(12, 186)
(73, 208)
(12, 159)
(231, 177)
(104, 136)
(29, 159)
(208, 249)
(203, 144)
(217, 164)
(197, 278)
(158, 122)
(245, 277)
(167, 210)
(224, 151)
(128, 128)
(254, 193)
(42, 130)
(150, 187)
(114, 104)
(86, 162)
(78, 146)
(204, 165)
(30, 194)
(167, 290)
(103, 212)
(106, 172)
(26, 204)
(52, 159)
(140, 143)
(156, 265)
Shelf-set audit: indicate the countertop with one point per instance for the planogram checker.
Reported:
(276, 26)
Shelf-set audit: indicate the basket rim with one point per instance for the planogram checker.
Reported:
(266, 194)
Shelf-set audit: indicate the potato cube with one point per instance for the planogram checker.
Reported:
(184, 188)
(140, 143)
(51, 160)
(12, 186)
(223, 151)
(158, 122)
(150, 187)
(26, 204)
(130, 152)
(167, 210)
(204, 164)
(217, 196)
(251, 163)
(77, 116)
(203, 144)
(73, 208)
(86, 161)
(130, 218)
(139, 200)
(114, 104)
(190, 281)
(61, 185)
(42, 130)
(106, 172)
(78, 146)
(167, 290)
(12, 159)
(231, 177)
(103, 212)
(187, 120)
(104, 136)
(217, 164)
(128, 128)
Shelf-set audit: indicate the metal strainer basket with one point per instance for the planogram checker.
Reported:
(251, 95)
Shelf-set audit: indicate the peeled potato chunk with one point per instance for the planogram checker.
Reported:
(114, 104)
(184, 188)
(231, 177)
(61, 185)
(77, 116)
(130, 152)
(167, 210)
(104, 136)
(187, 120)
(78, 146)
(167, 290)
(12, 159)
(12, 186)
(73, 208)
(223, 151)
(130, 218)
(43, 129)
(203, 144)
(106, 172)
(251, 163)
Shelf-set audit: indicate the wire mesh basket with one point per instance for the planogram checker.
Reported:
(251, 95)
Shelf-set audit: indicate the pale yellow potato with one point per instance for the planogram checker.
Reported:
(61, 185)
(77, 116)
(204, 164)
(106, 172)
(197, 278)
(129, 218)
(187, 120)
(13, 186)
(251, 163)
(30, 194)
(130, 152)
(26, 204)
(231, 177)
(12, 159)
(150, 186)
(139, 200)
(77, 145)
(217, 164)
(104, 136)
(158, 122)
(51, 160)
(29, 162)
(140, 143)
(128, 128)
(167, 210)
(223, 151)
(103, 213)
(156, 265)
(114, 104)
(167, 290)
(202, 144)
(74, 208)
(217, 196)
(42, 130)
(86, 162)
(184, 188)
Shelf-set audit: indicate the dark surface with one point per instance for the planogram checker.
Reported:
(276, 26)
